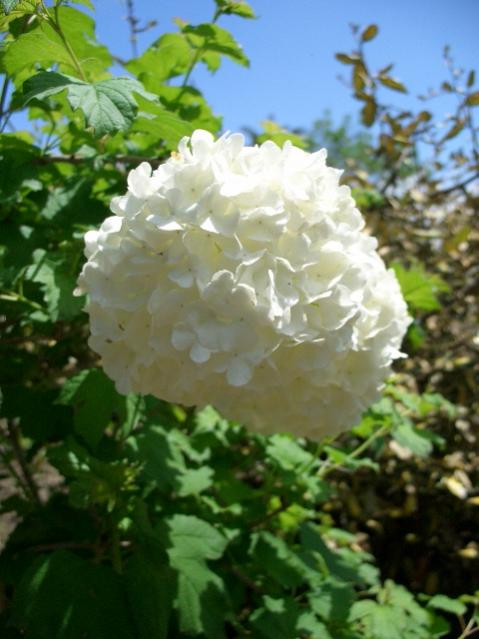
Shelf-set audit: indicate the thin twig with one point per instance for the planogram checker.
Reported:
(14, 438)
(133, 24)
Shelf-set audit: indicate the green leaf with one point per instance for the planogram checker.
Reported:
(18, 8)
(65, 597)
(168, 57)
(473, 99)
(455, 129)
(212, 42)
(409, 436)
(54, 273)
(38, 46)
(278, 560)
(441, 602)
(368, 113)
(420, 289)
(237, 8)
(332, 600)
(8, 5)
(321, 558)
(200, 599)
(42, 45)
(108, 105)
(161, 125)
(193, 481)
(95, 403)
(193, 538)
(369, 32)
(45, 84)
(392, 83)
(276, 619)
(279, 135)
(163, 462)
(287, 453)
(150, 588)
(345, 58)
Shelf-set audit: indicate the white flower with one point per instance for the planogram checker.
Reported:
(241, 277)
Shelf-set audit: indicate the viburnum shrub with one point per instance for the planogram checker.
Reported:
(242, 277)
(232, 286)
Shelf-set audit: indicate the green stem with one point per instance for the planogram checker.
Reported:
(54, 22)
(11, 296)
(367, 443)
(194, 61)
(469, 629)
(326, 469)
(3, 95)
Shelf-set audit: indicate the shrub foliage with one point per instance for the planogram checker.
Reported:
(124, 516)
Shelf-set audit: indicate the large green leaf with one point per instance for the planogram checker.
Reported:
(108, 105)
(150, 591)
(66, 597)
(43, 45)
(95, 403)
(213, 42)
(8, 5)
(46, 83)
(420, 289)
(411, 437)
(201, 597)
(169, 56)
(57, 279)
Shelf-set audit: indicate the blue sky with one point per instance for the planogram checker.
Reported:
(291, 46)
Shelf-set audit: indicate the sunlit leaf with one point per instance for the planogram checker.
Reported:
(369, 32)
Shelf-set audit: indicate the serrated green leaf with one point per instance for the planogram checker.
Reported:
(162, 125)
(163, 462)
(409, 436)
(447, 604)
(321, 558)
(108, 105)
(212, 42)
(276, 619)
(200, 599)
(44, 46)
(193, 538)
(45, 84)
(8, 5)
(278, 560)
(287, 453)
(95, 403)
(168, 57)
(58, 281)
(150, 589)
(193, 481)
(332, 600)
(420, 289)
(236, 7)
(88, 600)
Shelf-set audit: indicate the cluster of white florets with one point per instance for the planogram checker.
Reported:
(241, 277)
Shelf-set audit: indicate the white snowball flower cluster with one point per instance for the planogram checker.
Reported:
(241, 277)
